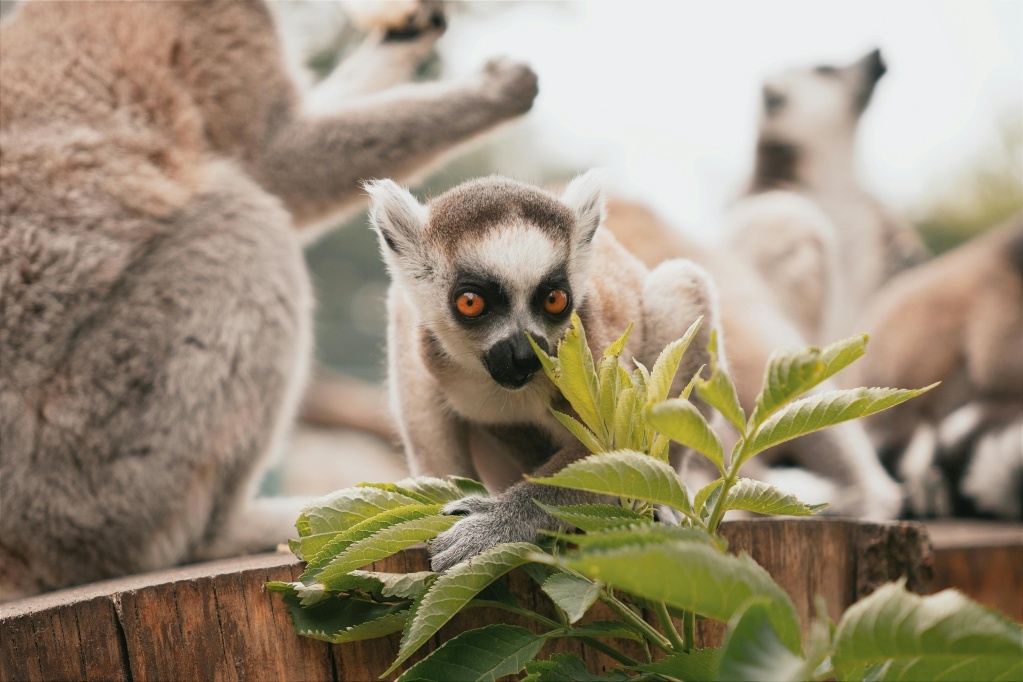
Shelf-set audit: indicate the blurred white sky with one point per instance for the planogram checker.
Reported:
(665, 93)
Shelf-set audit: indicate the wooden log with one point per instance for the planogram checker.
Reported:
(982, 559)
(214, 621)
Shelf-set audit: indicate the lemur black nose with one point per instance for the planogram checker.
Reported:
(512, 362)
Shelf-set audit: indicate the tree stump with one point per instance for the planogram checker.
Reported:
(214, 621)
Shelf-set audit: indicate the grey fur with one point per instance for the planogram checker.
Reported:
(155, 309)
(442, 392)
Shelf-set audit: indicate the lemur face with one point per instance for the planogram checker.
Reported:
(488, 262)
(806, 105)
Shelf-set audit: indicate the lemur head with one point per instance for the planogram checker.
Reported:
(489, 261)
(806, 105)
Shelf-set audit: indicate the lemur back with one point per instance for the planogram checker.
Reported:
(155, 326)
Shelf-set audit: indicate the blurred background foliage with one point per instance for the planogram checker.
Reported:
(986, 191)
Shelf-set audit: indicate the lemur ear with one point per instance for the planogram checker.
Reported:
(396, 216)
(585, 196)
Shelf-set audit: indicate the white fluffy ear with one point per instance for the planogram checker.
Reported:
(585, 196)
(396, 216)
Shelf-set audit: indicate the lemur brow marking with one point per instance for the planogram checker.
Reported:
(471, 210)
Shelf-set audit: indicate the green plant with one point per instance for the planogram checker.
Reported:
(619, 555)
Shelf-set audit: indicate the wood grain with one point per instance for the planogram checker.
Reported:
(214, 621)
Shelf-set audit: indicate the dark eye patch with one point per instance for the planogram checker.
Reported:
(494, 297)
(826, 70)
(555, 280)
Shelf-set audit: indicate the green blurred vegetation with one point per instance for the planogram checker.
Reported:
(987, 190)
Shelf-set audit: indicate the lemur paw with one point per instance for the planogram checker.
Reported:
(510, 85)
(488, 522)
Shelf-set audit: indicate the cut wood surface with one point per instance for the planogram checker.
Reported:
(982, 559)
(214, 620)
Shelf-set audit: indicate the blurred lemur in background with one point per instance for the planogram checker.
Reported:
(957, 320)
(806, 250)
(159, 173)
(474, 271)
(821, 243)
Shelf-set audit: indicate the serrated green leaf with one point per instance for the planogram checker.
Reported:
(391, 585)
(616, 349)
(625, 474)
(567, 668)
(339, 511)
(583, 434)
(591, 517)
(679, 420)
(703, 496)
(467, 486)
(431, 490)
(660, 449)
(718, 391)
(666, 365)
(578, 379)
(757, 496)
(549, 364)
(609, 387)
(791, 373)
(978, 669)
(753, 651)
(636, 534)
(942, 636)
(698, 665)
(360, 531)
(486, 653)
(573, 594)
(822, 410)
(395, 488)
(307, 595)
(346, 619)
(625, 417)
(454, 589)
(380, 545)
(716, 585)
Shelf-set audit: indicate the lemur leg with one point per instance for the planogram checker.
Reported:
(316, 165)
(675, 294)
(384, 59)
(185, 376)
(512, 516)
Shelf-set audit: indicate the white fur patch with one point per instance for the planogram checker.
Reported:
(518, 256)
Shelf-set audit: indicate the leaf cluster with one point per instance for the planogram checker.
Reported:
(617, 554)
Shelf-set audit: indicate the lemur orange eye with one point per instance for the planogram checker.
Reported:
(470, 304)
(556, 302)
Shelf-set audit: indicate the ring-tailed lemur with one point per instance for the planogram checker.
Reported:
(957, 320)
(155, 309)
(472, 272)
(819, 240)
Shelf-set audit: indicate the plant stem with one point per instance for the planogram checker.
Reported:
(689, 630)
(669, 627)
(637, 623)
(609, 651)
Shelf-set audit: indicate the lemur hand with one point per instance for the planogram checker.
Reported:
(509, 85)
(489, 521)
